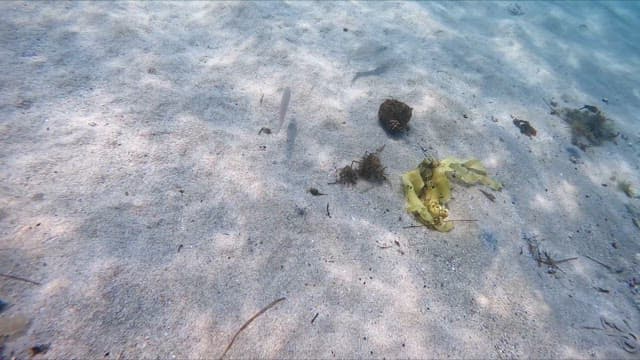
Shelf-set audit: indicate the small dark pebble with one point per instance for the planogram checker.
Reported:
(265, 130)
(152, 70)
(39, 349)
(345, 29)
(180, 247)
(24, 104)
(315, 192)
(525, 127)
(590, 108)
(3, 306)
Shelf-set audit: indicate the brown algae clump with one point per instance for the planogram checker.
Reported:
(347, 176)
(370, 167)
(589, 126)
(394, 116)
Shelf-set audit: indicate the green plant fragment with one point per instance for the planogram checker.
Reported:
(427, 188)
(627, 188)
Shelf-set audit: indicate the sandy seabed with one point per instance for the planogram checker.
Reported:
(136, 191)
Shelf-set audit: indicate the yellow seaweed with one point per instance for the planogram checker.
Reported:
(427, 188)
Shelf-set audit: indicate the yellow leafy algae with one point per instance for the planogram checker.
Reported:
(427, 188)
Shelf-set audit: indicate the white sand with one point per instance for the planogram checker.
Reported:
(130, 129)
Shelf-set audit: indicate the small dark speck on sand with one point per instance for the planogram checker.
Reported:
(3, 305)
(40, 349)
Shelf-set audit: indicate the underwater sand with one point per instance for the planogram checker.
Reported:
(136, 190)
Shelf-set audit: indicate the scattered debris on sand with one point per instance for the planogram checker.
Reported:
(543, 257)
(626, 339)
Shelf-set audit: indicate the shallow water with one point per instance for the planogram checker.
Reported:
(138, 191)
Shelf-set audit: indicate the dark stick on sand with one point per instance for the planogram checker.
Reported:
(598, 262)
(247, 324)
(419, 226)
(8, 276)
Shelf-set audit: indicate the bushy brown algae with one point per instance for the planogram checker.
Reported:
(347, 176)
(369, 167)
(589, 126)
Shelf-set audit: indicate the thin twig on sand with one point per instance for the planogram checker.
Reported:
(423, 225)
(9, 276)
(543, 257)
(598, 262)
(249, 322)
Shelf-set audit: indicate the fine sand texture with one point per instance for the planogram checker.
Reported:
(153, 217)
